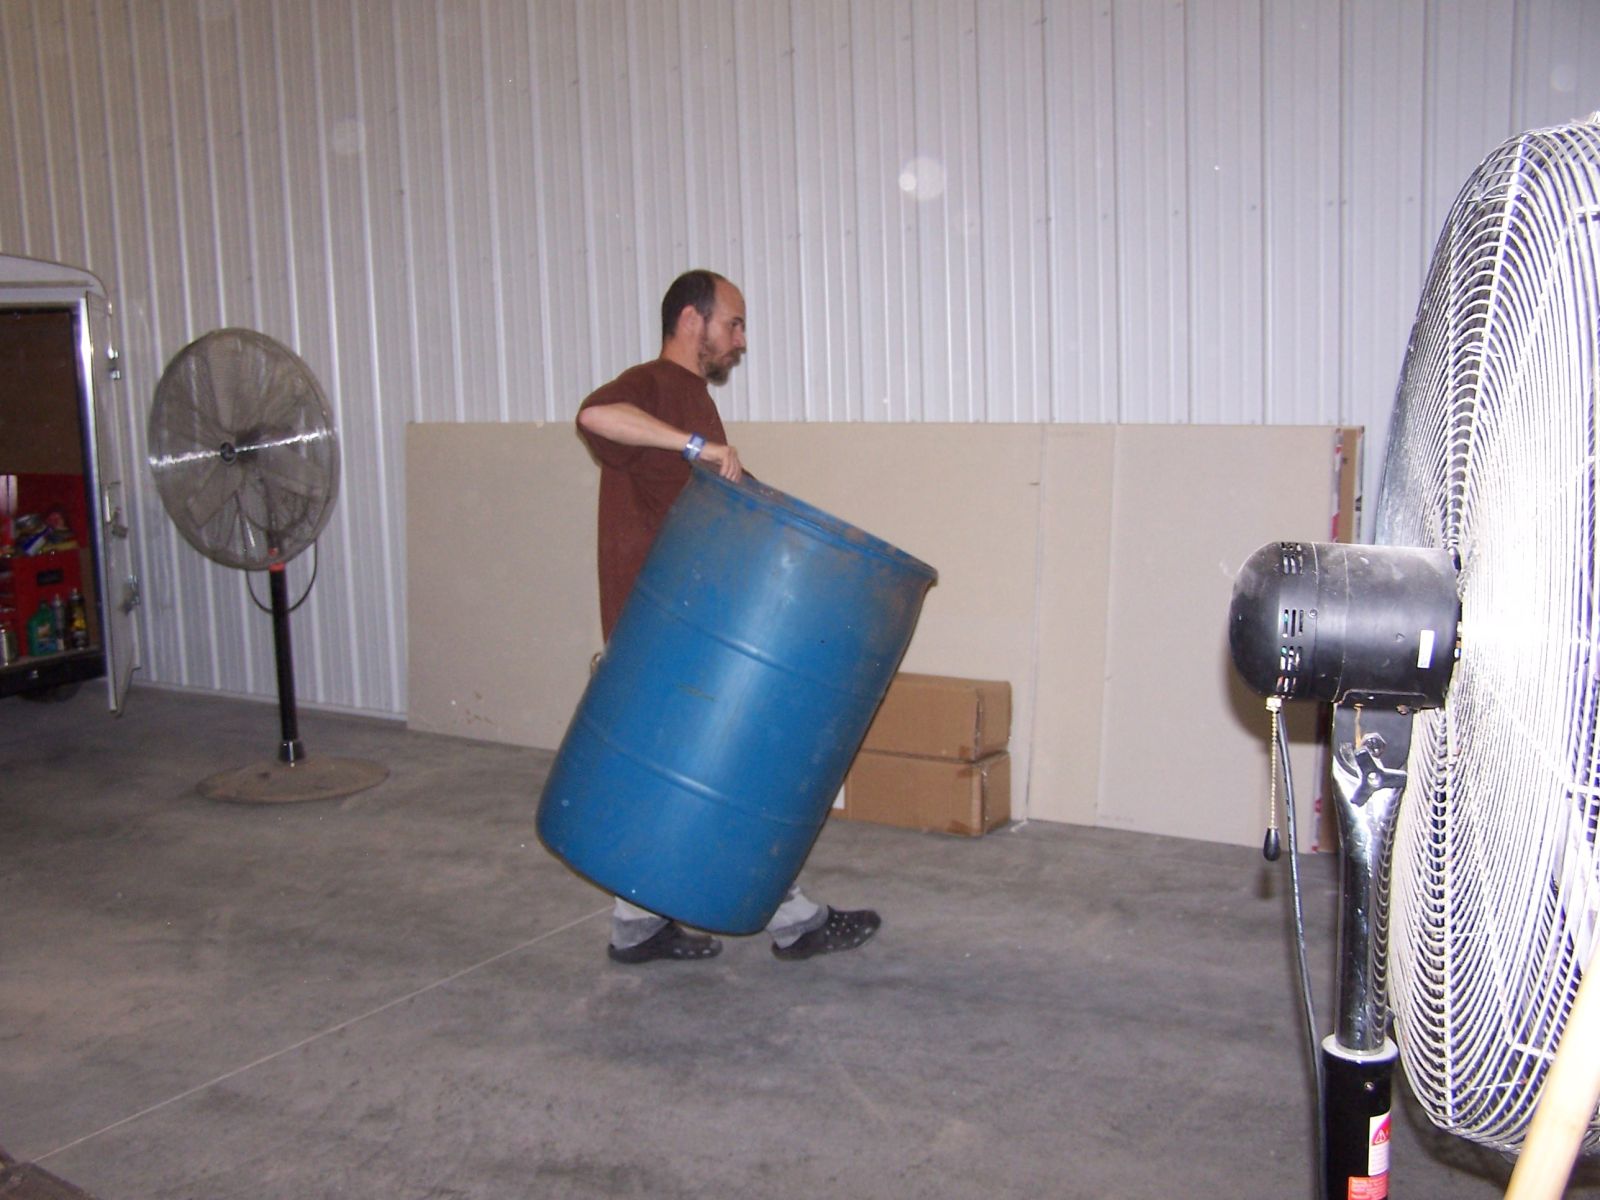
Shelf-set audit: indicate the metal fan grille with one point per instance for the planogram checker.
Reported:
(1491, 455)
(243, 449)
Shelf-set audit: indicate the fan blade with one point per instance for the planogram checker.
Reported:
(183, 417)
(285, 396)
(220, 485)
(235, 376)
(284, 466)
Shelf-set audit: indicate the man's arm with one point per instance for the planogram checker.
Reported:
(629, 425)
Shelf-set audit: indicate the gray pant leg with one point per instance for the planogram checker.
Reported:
(631, 925)
(796, 916)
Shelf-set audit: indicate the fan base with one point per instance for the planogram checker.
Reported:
(276, 782)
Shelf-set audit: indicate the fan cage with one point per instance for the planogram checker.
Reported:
(243, 449)
(1491, 455)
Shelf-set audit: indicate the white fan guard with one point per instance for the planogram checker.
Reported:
(243, 449)
(1492, 455)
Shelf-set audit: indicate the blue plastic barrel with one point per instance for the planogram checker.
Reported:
(742, 674)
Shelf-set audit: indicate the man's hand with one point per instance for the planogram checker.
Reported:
(726, 459)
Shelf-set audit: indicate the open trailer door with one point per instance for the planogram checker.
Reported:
(117, 579)
(67, 585)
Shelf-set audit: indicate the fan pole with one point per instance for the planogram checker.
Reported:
(1357, 1092)
(289, 749)
(1371, 746)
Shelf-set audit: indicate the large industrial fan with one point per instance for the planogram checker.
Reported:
(246, 460)
(1460, 655)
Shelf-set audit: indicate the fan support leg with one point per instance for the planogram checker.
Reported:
(289, 749)
(1371, 746)
(1356, 1098)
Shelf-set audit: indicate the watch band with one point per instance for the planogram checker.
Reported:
(693, 446)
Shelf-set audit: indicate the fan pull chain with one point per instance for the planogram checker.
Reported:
(1270, 846)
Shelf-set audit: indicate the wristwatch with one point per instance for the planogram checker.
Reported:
(693, 446)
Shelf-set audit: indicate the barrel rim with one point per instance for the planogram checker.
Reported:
(797, 511)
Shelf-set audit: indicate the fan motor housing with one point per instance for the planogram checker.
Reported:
(1369, 625)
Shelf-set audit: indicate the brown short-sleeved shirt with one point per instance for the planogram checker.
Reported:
(638, 484)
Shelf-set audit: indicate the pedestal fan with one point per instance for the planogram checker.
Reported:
(1460, 655)
(246, 460)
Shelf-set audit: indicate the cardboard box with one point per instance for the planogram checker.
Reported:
(938, 716)
(932, 794)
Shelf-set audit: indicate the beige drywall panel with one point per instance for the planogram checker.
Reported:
(965, 500)
(1090, 566)
(1074, 555)
(500, 579)
(1185, 747)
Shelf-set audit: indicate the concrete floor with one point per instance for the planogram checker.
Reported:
(401, 994)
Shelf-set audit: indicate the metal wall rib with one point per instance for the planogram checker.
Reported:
(940, 210)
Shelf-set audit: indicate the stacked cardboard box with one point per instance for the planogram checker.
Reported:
(935, 757)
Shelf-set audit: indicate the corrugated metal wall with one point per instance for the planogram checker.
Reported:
(940, 210)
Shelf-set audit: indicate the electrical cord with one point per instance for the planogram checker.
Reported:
(251, 587)
(1308, 1007)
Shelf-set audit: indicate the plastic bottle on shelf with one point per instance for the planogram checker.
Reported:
(77, 622)
(58, 614)
(42, 637)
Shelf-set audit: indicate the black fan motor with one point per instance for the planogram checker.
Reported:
(1357, 624)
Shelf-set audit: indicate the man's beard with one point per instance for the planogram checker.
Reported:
(716, 370)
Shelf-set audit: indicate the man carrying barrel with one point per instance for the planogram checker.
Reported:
(646, 428)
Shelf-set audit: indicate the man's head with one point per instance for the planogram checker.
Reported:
(702, 324)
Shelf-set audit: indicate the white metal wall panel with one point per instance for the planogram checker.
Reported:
(51, 84)
(1303, 227)
(1225, 234)
(825, 172)
(939, 210)
(713, 174)
(177, 592)
(514, 70)
(92, 231)
(1384, 245)
(422, 99)
(350, 667)
(1013, 300)
(771, 384)
(29, 199)
(513, 253)
(468, 228)
(1082, 211)
(946, 184)
(379, 426)
(654, 218)
(606, 127)
(16, 63)
(1556, 70)
(1152, 221)
(561, 205)
(888, 174)
(1468, 76)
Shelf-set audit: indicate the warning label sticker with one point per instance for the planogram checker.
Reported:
(1369, 1188)
(1378, 1146)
